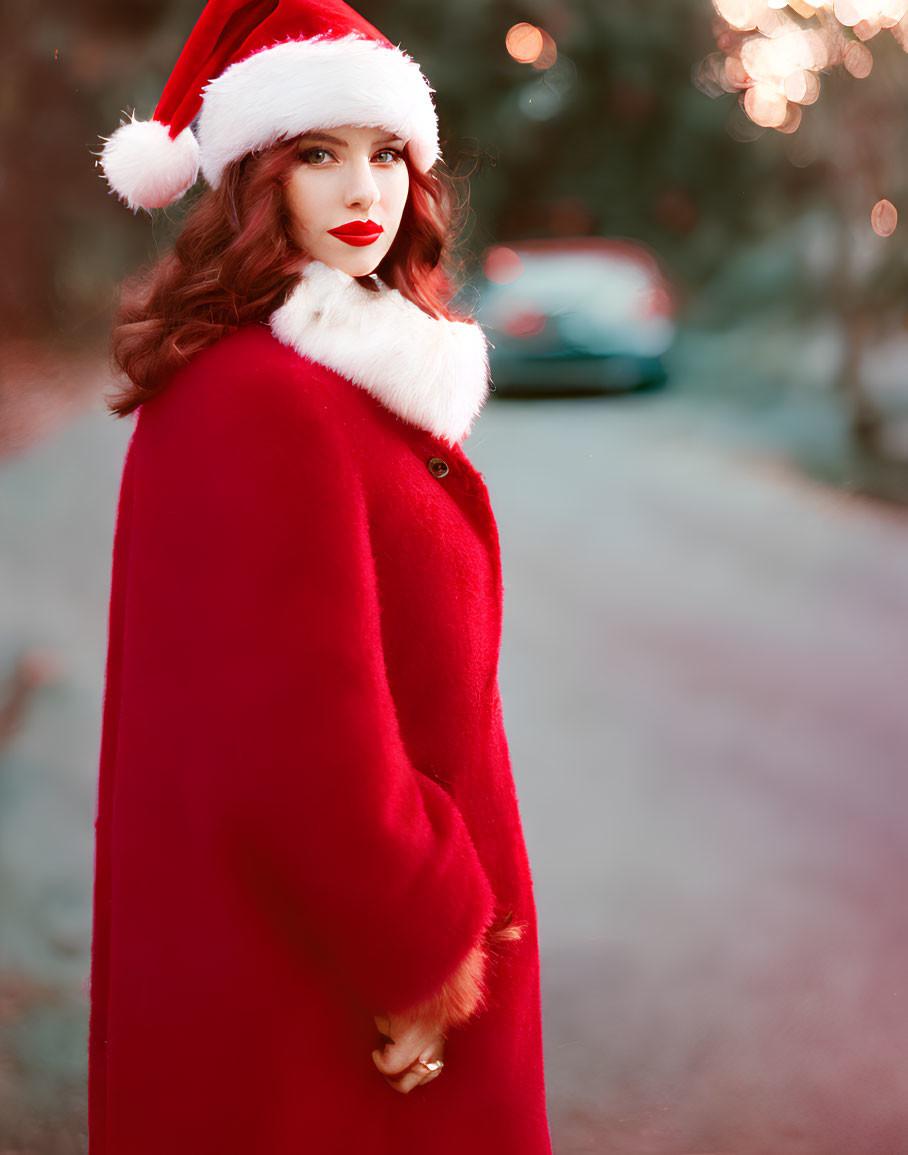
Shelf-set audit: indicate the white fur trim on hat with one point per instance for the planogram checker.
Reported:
(146, 167)
(303, 85)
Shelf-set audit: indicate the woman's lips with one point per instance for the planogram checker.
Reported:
(358, 233)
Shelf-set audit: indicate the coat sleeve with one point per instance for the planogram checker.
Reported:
(254, 618)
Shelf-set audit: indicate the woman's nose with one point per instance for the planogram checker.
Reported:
(362, 190)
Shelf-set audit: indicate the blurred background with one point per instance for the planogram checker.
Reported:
(683, 238)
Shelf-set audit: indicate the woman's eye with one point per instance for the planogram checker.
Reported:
(390, 156)
(316, 156)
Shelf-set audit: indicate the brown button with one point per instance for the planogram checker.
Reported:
(438, 467)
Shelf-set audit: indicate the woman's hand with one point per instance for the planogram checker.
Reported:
(417, 1036)
(412, 1042)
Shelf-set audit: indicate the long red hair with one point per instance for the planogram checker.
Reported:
(234, 262)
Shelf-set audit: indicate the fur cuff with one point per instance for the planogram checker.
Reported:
(465, 992)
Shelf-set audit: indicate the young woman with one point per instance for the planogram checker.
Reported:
(314, 926)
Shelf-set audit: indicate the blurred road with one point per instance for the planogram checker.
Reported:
(704, 682)
(703, 673)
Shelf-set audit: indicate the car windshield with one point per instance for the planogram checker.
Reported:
(575, 282)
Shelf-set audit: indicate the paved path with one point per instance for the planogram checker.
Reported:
(704, 682)
(57, 506)
(703, 677)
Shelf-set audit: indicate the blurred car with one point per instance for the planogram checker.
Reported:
(575, 315)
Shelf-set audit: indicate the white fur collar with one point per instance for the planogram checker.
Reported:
(432, 373)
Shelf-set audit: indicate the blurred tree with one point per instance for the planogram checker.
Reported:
(64, 71)
(612, 138)
(38, 110)
(807, 70)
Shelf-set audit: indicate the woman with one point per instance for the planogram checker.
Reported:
(314, 926)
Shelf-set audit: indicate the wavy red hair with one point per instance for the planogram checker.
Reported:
(234, 263)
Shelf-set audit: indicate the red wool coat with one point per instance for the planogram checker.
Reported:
(306, 809)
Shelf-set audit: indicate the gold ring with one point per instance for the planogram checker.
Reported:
(434, 1065)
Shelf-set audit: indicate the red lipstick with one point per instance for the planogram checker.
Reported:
(358, 232)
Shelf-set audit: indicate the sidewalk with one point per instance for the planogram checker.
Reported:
(704, 684)
(57, 507)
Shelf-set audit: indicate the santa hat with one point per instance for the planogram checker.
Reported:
(253, 73)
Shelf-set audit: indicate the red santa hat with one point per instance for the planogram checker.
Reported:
(253, 73)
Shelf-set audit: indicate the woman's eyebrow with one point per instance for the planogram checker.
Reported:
(322, 136)
(329, 139)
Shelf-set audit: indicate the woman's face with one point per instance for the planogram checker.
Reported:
(350, 183)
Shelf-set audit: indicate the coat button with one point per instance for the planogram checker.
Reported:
(438, 467)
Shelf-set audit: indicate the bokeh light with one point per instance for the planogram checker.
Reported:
(528, 44)
(740, 14)
(884, 217)
(525, 43)
(857, 59)
(523, 321)
(549, 53)
(792, 120)
(501, 265)
(765, 106)
(539, 101)
(884, 15)
(771, 56)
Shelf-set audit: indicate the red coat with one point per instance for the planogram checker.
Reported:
(306, 808)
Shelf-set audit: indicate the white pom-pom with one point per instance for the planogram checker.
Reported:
(148, 169)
